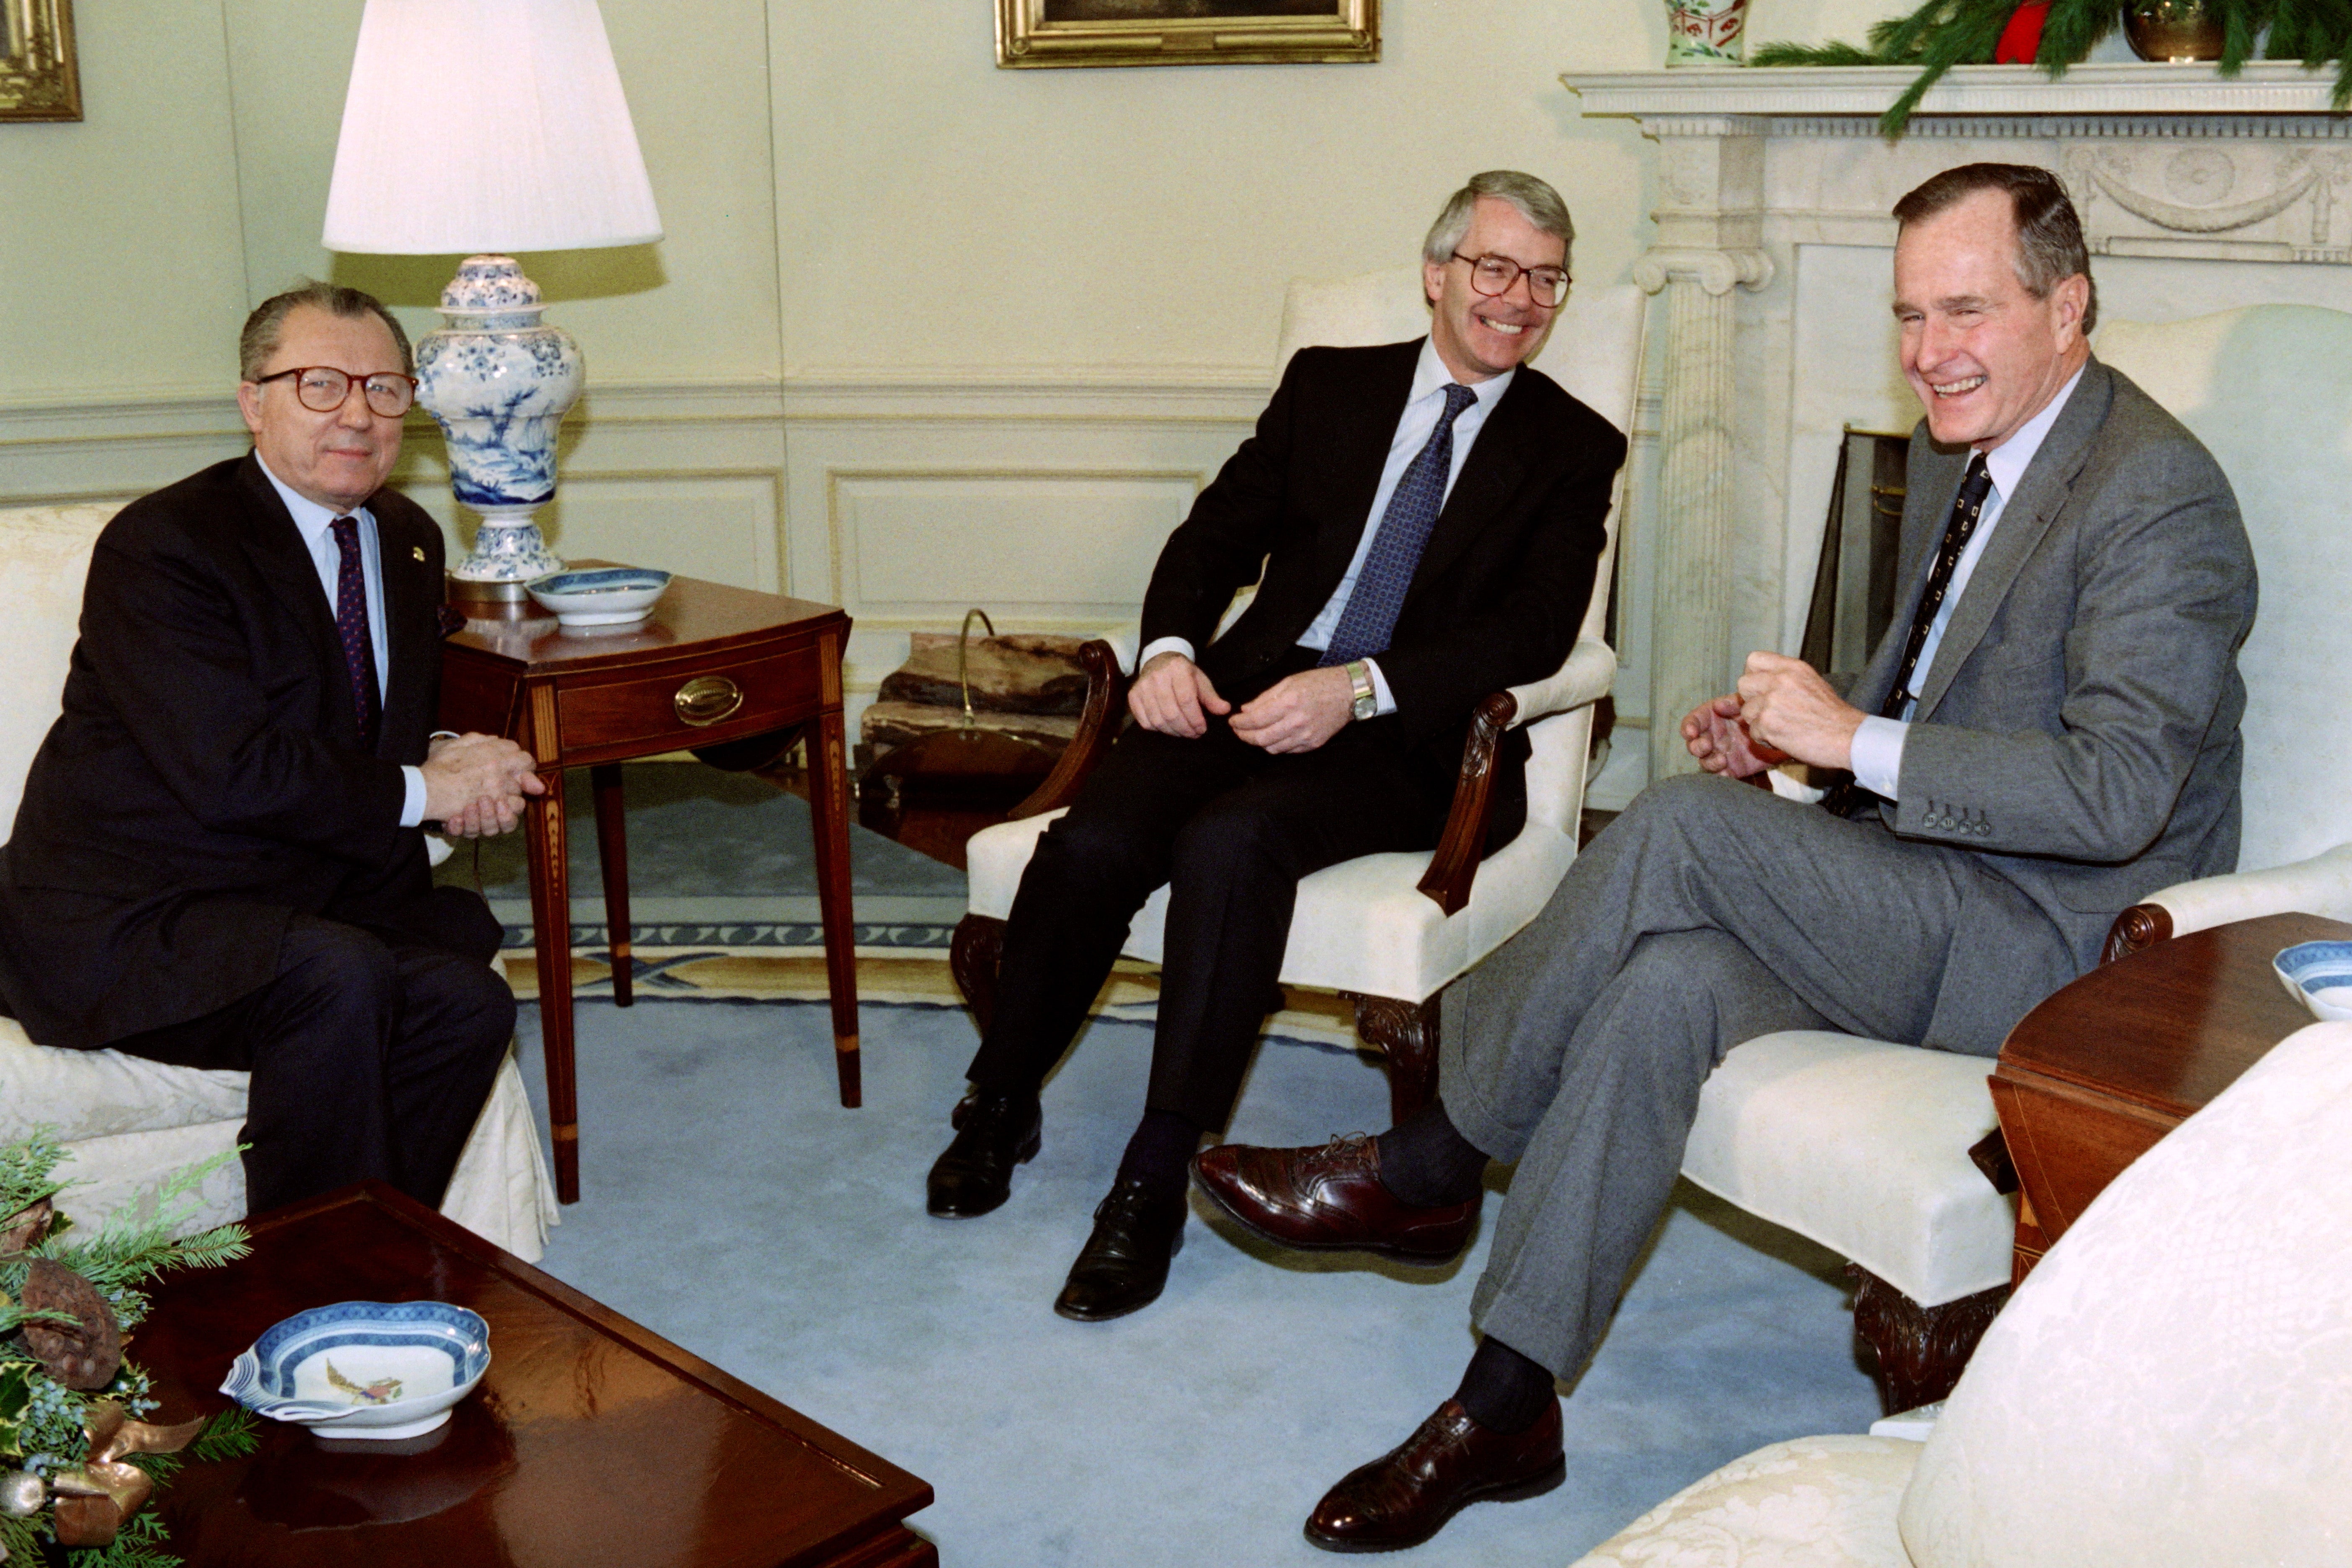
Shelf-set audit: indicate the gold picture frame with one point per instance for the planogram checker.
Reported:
(1048, 33)
(39, 77)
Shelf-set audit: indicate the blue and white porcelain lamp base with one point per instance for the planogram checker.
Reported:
(498, 379)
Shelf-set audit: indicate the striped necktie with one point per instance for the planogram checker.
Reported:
(352, 625)
(1967, 506)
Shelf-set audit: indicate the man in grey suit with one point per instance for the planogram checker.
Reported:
(2048, 732)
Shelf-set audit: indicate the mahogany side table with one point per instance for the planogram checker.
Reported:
(711, 665)
(591, 1439)
(2091, 1078)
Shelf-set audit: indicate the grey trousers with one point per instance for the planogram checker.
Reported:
(1708, 914)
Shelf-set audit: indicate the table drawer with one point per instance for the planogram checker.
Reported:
(693, 704)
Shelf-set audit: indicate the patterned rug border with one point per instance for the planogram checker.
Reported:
(762, 936)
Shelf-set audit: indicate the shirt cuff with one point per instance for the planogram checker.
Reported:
(412, 807)
(1383, 702)
(1159, 645)
(1878, 755)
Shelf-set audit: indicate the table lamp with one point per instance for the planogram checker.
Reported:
(490, 126)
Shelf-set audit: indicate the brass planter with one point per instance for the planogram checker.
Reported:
(2173, 30)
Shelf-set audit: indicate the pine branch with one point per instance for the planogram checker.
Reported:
(1830, 54)
(19, 1542)
(231, 1435)
(24, 1171)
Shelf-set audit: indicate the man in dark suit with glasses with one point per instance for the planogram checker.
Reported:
(1422, 521)
(219, 860)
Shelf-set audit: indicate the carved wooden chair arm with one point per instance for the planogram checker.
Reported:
(1098, 725)
(1455, 863)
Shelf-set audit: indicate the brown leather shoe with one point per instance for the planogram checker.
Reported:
(1329, 1199)
(1405, 1496)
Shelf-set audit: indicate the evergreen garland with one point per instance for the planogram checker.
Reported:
(1942, 34)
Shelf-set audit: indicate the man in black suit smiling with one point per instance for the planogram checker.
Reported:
(1423, 520)
(218, 861)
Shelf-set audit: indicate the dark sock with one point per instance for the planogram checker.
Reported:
(1161, 1151)
(1426, 1162)
(1503, 1390)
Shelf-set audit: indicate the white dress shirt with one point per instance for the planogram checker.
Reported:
(1878, 744)
(1423, 405)
(315, 523)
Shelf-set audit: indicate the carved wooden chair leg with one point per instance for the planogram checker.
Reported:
(972, 958)
(1406, 1033)
(1921, 1351)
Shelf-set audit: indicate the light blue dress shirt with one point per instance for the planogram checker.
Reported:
(315, 523)
(1878, 745)
(1424, 403)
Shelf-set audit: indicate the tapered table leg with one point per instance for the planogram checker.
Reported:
(829, 815)
(612, 854)
(551, 913)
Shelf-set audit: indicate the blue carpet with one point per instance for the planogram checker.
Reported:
(733, 1205)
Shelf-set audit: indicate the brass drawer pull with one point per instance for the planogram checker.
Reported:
(706, 700)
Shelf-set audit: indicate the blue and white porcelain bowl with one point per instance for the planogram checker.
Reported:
(601, 596)
(2319, 975)
(364, 1369)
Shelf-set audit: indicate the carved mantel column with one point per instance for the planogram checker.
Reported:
(1709, 241)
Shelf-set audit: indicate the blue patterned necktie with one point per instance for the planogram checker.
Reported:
(351, 625)
(1373, 605)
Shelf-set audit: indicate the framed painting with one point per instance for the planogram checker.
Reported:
(38, 78)
(1185, 32)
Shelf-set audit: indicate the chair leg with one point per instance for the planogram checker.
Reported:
(1920, 1350)
(1406, 1033)
(972, 958)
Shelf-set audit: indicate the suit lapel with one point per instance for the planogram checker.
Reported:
(1359, 447)
(275, 547)
(2024, 518)
(1489, 477)
(409, 593)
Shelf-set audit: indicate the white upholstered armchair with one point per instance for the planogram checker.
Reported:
(2170, 1387)
(1864, 1146)
(1388, 930)
(127, 1123)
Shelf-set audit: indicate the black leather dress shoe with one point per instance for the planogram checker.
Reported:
(1124, 1264)
(1405, 1496)
(994, 1132)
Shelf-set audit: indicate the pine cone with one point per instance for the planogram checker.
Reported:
(84, 1354)
(20, 1230)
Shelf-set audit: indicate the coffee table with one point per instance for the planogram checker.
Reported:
(2091, 1078)
(591, 1440)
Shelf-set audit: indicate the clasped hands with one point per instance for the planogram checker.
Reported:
(475, 784)
(1298, 714)
(1783, 710)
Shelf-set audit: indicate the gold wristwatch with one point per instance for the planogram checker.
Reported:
(1368, 700)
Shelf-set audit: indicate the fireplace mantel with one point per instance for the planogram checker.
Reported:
(1769, 275)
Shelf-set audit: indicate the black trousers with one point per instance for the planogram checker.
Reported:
(370, 1054)
(1231, 829)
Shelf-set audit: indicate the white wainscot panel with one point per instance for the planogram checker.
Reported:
(1022, 544)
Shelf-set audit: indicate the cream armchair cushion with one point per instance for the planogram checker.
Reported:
(2172, 1385)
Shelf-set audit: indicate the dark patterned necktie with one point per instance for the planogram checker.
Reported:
(1967, 506)
(1373, 605)
(351, 625)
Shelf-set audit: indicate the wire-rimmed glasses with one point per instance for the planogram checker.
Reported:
(323, 389)
(1494, 275)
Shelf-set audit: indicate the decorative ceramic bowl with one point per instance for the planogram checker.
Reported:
(601, 596)
(364, 1369)
(2319, 975)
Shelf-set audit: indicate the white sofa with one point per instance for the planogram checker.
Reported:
(2171, 1386)
(126, 1123)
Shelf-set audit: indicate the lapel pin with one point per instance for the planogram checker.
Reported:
(417, 551)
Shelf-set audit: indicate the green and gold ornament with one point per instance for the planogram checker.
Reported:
(79, 1459)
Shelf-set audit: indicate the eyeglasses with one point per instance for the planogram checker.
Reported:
(1494, 275)
(323, 389)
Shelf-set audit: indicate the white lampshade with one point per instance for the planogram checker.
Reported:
(486, 125)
